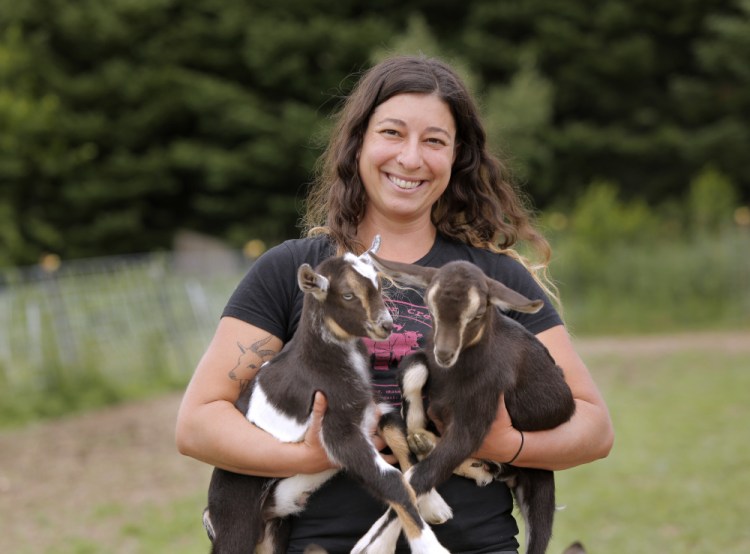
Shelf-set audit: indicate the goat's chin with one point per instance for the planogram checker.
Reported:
(446, 364)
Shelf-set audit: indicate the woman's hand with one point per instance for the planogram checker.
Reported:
(502, 441)
(315, 456)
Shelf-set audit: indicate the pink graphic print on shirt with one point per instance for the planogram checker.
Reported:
(411, 324)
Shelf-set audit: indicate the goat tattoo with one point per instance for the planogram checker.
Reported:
(474, 355)
(342, 303)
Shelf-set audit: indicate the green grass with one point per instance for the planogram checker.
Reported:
(677, 479)
(169, 527)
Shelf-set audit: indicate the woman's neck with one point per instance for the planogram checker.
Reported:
(400, 243)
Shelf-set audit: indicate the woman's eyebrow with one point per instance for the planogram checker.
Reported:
(402, 123)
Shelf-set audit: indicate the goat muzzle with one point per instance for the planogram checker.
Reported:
(380, 330)
(445, 358)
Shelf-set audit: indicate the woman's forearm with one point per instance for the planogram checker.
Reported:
(585, 438)
(210, 428)
(218, 434)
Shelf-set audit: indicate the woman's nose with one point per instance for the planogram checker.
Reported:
(410, 156)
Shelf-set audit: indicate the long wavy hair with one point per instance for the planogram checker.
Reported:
(481, 206)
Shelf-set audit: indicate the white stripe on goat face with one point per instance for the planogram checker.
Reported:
(472, 303)
(266, 416)
(362, 267)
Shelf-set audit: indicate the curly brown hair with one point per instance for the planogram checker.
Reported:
(481, 205)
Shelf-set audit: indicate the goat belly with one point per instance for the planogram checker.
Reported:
(268, 417)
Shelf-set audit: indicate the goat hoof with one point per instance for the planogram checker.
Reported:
(421, 442)
(433, 508)
(476, 470)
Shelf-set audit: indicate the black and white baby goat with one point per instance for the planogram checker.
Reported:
(474, 355)
(342, 303)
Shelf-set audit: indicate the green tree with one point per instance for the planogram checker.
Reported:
(621, 74)
(123, 121)
(147, 116)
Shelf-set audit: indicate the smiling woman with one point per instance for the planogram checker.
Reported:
(406, 158)
(408, 161)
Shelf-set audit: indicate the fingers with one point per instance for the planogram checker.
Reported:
(502, 417)
(320, 404)
(317, 456)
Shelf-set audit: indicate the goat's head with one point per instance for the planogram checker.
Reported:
(347, 290)
(460, 298)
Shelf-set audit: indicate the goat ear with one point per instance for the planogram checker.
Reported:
(312, 282)
(409, 274)
(508, 299)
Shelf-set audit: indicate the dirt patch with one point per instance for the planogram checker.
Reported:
(53, 474)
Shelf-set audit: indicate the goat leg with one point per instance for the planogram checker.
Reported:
(352, 450)
(234, 518)
(534, 491)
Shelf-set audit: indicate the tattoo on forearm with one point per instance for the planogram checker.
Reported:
(245, 368)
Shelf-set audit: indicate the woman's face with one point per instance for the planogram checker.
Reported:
(406, 157)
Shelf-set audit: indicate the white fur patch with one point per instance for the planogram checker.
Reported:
(269, 418)
(292, 493)
(362, 266)
(367, 544)
(433, 508)
(414, 382)
(358, 362)
(427, 544)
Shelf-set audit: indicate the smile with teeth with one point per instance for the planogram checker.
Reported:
(402, 183)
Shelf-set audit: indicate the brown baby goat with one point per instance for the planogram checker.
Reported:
(474, 355)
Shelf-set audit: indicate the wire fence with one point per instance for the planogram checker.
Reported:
(127, 319)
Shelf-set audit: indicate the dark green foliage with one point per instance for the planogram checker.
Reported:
(124, 121)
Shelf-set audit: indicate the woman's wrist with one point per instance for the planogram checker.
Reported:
(520, 447)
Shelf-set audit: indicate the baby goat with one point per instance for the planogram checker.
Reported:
(342, 303)
(474, 355)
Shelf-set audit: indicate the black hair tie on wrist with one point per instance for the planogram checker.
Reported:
(513, 459)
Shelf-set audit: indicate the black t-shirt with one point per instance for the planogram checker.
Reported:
(340, 512)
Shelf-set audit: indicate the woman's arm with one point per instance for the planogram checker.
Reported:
(209, 427)
(588, 435)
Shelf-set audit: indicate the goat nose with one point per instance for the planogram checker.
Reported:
(444, 357)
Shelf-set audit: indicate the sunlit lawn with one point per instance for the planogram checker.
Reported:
(678, 478)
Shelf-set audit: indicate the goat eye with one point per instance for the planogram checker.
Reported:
(347, 296)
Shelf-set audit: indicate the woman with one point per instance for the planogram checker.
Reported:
(407, 161)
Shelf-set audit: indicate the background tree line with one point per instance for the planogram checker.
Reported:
(123, 121)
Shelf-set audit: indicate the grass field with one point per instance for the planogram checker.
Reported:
(676, 482)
